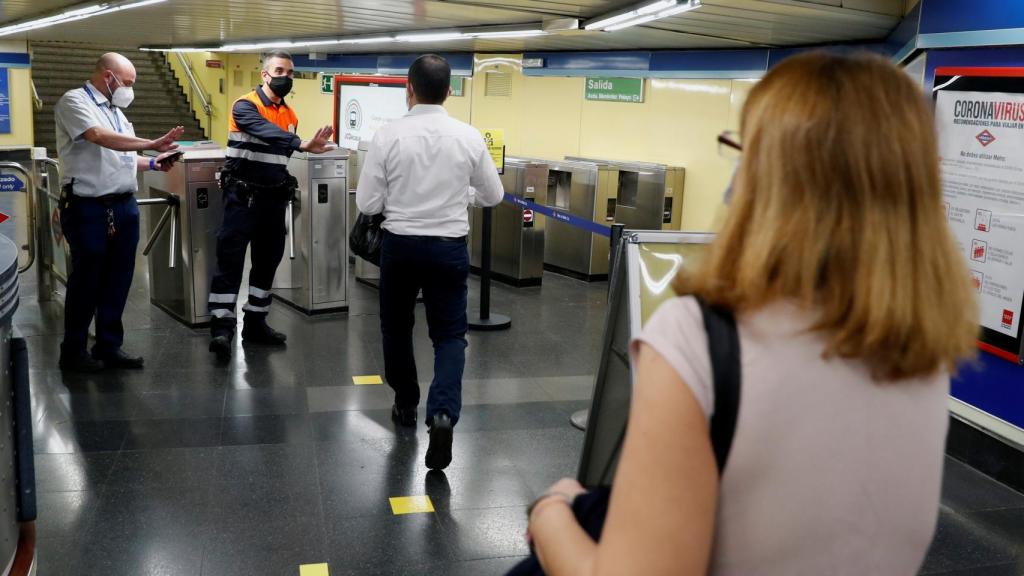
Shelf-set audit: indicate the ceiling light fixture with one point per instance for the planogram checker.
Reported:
(73, 15)
(430, 37)
(642, 14)
(509, 34)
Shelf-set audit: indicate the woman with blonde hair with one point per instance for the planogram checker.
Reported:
(853, 307)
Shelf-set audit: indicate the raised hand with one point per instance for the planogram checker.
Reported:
(166, 143)
(321, 141)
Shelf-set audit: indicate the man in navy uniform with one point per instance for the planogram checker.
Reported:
(257, 189)
(98, 152)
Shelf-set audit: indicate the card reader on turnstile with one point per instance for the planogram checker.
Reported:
(314, 278)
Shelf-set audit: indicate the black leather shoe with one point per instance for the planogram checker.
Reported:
(221, 346)
(439, 452)
(260, 333)
(118, 359)
(81, 362)
(403, 416)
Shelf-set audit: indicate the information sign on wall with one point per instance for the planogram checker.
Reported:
(363, 104)
(615, 89)
(326, 84)
(495, 140)
(458, 86)
(980, 119)
(5, 102)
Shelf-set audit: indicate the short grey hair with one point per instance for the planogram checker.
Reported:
(275, 54)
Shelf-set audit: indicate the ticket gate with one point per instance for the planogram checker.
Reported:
(315, 279)
(517, 234)
(33, 218)
(182, 243)
(572, 186)
(647, 196)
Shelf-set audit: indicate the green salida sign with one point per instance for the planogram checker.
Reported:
(615, 89)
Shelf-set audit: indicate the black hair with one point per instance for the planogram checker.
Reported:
(275, 54)
(431, 79)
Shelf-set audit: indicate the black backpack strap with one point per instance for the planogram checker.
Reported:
(724, 349)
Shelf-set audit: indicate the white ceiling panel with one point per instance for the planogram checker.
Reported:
(717, 24)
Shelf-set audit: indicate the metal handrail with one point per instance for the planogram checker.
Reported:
(30, 200)
(36, 100)
(197, 89)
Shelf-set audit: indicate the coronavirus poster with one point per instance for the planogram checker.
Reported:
(365, 104)
(981, 145)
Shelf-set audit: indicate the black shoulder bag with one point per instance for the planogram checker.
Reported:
(591, 508)
(366, 237)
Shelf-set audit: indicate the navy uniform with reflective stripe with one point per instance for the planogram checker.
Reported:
(257, 188)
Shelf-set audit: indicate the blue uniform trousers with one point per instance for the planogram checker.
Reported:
(102, 267)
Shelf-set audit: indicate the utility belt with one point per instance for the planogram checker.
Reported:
(289, 184)
(67, 196)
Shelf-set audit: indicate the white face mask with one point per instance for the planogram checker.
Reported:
(123, 96)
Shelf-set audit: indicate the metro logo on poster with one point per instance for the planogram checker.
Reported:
(1007, 318)
(985, 138)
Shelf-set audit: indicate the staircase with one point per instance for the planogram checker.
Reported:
(160, 104)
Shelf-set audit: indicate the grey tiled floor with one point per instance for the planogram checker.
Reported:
(191, 468)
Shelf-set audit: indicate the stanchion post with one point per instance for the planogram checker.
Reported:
(486, 321)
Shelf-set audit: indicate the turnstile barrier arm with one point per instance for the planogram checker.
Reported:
(30, 190)
(170, 215)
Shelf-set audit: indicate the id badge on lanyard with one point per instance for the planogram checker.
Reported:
(128, 160)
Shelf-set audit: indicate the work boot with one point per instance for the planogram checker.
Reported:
(439, 452)
(258, 332)
(221, 346)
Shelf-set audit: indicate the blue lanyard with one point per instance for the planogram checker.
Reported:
(117, 118)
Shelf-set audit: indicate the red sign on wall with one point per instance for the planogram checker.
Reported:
(214, 63)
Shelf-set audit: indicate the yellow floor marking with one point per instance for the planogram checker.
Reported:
(313, 570)
(364, 380)
(411, 505)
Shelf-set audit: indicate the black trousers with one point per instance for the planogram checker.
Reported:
(256, 217)
(440, 267)
(102, 268)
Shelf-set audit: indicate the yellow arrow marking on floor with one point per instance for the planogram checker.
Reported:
(365, 380)
(313, 570)
(411, 505)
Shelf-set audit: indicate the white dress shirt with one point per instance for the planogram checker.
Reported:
(423, 170)
(97, 171)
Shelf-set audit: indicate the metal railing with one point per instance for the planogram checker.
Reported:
(30, 203)
(196, 90)
(170, 215)
(37, 102)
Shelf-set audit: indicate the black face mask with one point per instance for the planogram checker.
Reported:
(280, 85)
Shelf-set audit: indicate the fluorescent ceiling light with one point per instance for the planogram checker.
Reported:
(373, 40)
(509, 34)
(430, 37)
(643, 14)
(73, 15)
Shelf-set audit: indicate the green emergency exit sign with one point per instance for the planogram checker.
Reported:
(327, 84)
(615, 89)
(458, 86)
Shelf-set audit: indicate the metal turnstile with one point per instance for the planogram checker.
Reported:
(572, 187)
(316, 277)
(517, 234)
(182, 244)
(33, 218)
(647, 196)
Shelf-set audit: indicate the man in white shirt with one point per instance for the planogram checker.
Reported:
(422, 172)
(99, 156)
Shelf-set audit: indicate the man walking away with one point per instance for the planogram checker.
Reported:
(423, 171)
(98, 152)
